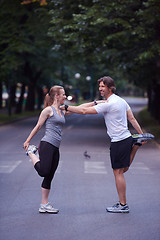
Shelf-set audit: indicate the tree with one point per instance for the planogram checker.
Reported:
(24, 46)
(121, 35)
(42, 2)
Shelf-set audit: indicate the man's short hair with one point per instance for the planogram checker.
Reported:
(109, 82)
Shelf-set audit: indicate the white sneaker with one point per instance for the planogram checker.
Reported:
(31, 149)
(140, 138)
(47, 208)
(118, 208)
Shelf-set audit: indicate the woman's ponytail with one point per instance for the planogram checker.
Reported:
(47, 101)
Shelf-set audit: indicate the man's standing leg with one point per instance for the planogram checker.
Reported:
(121, 206)
(120, 185)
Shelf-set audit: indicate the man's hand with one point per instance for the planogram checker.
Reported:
(100, 101)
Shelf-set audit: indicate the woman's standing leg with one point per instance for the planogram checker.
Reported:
(45, 194)
(46, 184)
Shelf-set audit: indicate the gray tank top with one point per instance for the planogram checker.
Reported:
(54, 124)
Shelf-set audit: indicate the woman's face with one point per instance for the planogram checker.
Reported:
(61, 96)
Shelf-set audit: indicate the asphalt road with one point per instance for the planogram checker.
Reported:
(81, 190)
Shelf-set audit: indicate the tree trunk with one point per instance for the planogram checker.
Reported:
(154, 101)
(13, 95)
(157, 102)
(0, 95)
(40, 97)
(31, 97)
(10, 99)
(20, 102)
(32, 78)
(149, 94)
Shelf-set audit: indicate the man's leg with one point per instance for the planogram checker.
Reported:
(120, 184)
(135, 147)
(132, 155)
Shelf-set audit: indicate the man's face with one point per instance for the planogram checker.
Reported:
(104, 90)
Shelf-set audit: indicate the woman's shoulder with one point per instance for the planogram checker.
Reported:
(48, 111)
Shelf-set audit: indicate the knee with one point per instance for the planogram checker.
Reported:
(46, 185)
(119, 174)
(118, 171)
(125, 169)
(43, 173)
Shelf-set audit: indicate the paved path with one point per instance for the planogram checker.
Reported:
(82, 188)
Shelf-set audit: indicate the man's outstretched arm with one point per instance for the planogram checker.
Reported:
(133, 121)
(81, 109)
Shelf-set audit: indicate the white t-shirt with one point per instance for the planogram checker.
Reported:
(115, 114)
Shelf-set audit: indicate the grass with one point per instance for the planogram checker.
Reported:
(5, 118)
(149, 124)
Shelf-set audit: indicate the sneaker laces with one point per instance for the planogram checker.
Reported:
(116, 205)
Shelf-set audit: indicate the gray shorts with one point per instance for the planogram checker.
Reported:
(120, 153)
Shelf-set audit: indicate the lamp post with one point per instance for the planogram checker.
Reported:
(77, 76)
(89, 79)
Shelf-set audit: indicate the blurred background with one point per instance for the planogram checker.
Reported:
(74, 43)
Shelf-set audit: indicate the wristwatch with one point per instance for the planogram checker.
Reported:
(66, 107)
(95, 103)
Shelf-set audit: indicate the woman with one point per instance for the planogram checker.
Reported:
(48, 160)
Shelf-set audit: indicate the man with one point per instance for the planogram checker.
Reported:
(116, 112)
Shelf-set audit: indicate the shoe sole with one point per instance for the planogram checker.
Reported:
(123, 211)
(44, 211)
(145, 136)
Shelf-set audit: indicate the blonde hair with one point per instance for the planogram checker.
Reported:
(49, 98)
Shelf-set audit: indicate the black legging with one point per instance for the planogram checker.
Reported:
(49, 159)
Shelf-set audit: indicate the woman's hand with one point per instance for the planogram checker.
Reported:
(26, 145)
(62, 107)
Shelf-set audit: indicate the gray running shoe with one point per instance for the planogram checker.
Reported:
(139, 138)
(118, 208)
(31, 149)
(47, 209)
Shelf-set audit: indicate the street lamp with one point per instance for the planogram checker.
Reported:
(88, 78)
(77, 75)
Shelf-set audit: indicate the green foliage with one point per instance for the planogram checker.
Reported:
(120, 33)
(118, 37)
(94, 37)
(149, 123)
(23, 37)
